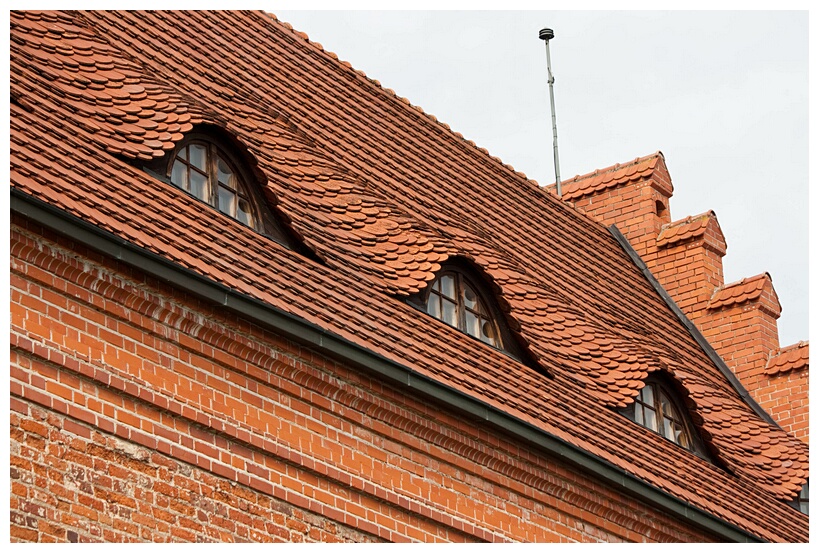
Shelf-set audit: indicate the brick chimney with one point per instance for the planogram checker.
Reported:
(685, 256)
(687, 259)
(740, 323)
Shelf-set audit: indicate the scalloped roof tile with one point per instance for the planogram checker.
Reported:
(745, 290)
(384, 194)
(609, 177)
(789, 359)
(685, 229)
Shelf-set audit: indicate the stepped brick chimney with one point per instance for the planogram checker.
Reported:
(687, 260)
(740, 324)
(685, 256)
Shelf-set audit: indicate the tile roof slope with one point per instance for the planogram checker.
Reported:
(609, 177)
(792, 358)
(690, 227)
(741, 291)
(482, 371)
(728, 422)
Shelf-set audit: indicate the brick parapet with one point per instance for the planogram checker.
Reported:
(102, 356)
(744, 335)
(785, 397)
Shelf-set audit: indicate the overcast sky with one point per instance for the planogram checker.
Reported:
(724, 96)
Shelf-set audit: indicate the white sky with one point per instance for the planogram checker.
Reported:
(724, 96)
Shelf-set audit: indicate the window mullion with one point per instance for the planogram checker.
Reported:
(459, 293)
(212, 175)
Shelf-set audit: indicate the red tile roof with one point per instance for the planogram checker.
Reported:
(641, 168)
(685, 229)
(790, 359)
(384, 194)
(745, 290)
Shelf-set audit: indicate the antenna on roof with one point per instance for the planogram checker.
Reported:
(546, 35)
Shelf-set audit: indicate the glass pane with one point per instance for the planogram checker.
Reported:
(226, 199)
(434, 306)
(651, 419)
(473, 325)
(668, 430)
(178, 174)
(183, 153)
(448, 286)
(224, 173)
(488, 333)
(199, 185)
(470, 299)
(679, 436)
(668, 410)
(638, 414)
(198, 156)
(450, 314)
(647, 395)
(243, 212)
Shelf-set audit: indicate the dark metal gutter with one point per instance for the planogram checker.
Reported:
(327, 343)
(692, 329)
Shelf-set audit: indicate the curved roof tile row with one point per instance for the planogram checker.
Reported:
(616, 175)
(745, 290)
(789, 359)
(351, 168)
(685, 229)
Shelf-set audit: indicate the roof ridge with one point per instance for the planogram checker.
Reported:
(615, 167)
(745, 280)
(690, 218)
(391, 93)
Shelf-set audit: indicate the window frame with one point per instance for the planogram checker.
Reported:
(269, 222)
(242, 189)
(662, 388)
(461, 282)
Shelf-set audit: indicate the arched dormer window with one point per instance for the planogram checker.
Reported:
(461, 296)
(659, 409)
(207, 172)
(455, 300)
(212, 166)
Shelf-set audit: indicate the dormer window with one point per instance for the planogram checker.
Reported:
(658, 408)
(455, 300)
(212, 166)
(202, 169)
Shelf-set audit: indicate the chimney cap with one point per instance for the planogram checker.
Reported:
(546, 34)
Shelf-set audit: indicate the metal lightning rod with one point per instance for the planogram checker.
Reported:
(546, 35)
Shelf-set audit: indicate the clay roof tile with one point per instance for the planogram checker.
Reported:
(788, 359)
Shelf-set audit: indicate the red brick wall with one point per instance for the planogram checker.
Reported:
(785, 397)
(141, 414)
(744, 335)
(689, 271)
(632, 208)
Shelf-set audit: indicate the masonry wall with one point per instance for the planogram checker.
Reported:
(139, 413)
(785, 397)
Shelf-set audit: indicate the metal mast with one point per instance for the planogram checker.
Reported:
(546, 35)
